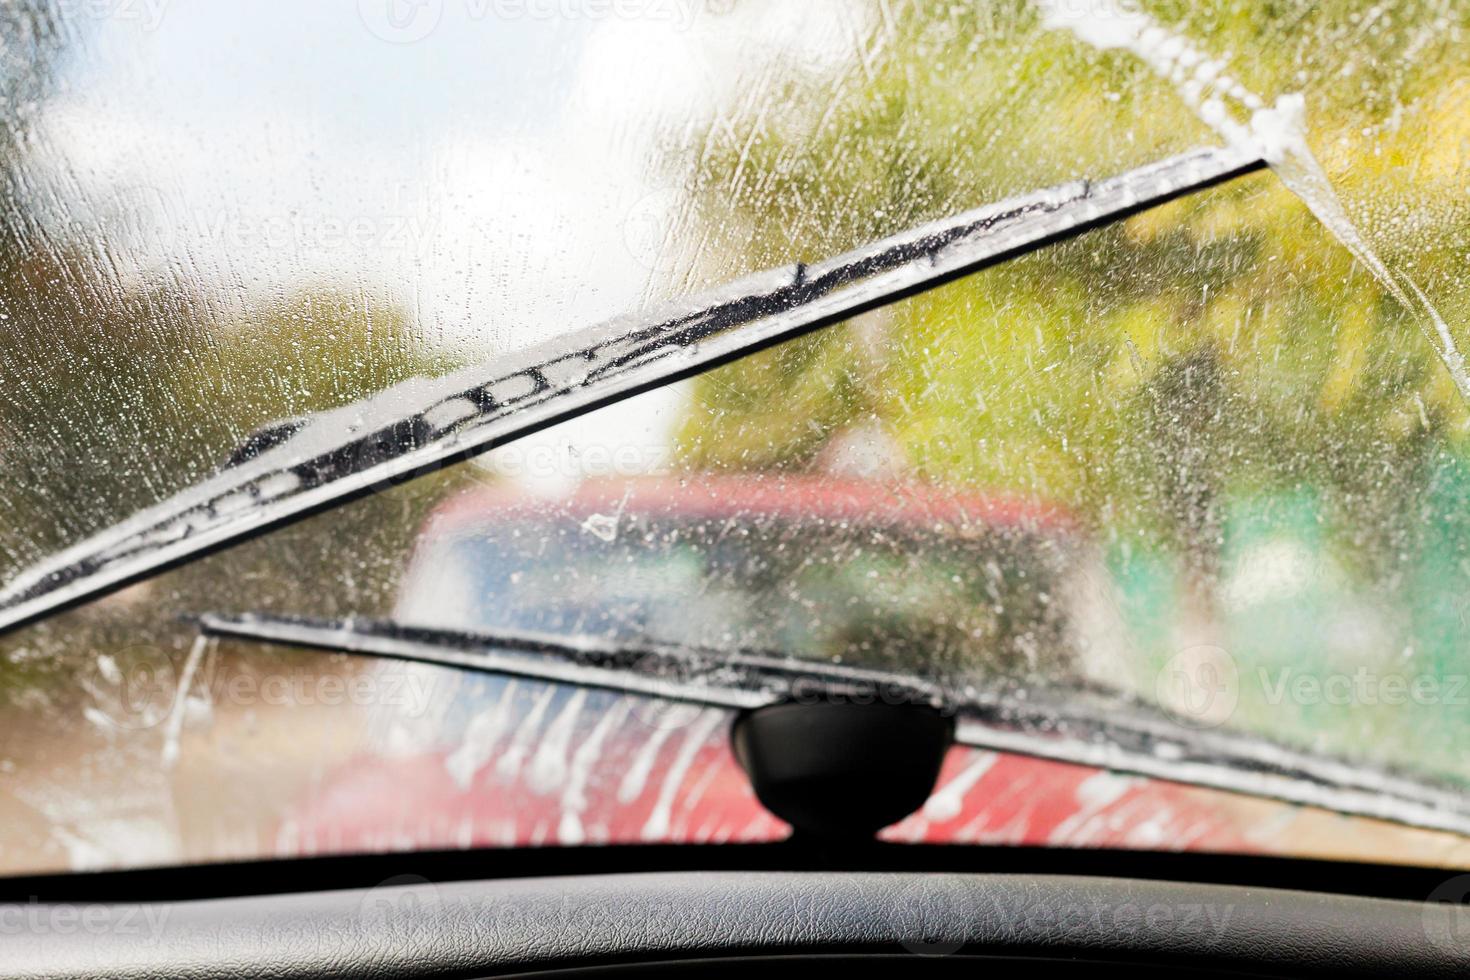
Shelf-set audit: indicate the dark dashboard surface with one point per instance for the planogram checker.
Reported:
(714, 922)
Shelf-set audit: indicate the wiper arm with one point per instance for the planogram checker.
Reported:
(1076, 726)
(297, 468)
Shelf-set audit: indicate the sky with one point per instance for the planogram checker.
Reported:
(491, 166)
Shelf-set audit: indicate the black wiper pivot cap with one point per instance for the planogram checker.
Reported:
(841, 769)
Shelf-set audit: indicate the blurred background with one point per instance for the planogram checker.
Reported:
(1228, 449)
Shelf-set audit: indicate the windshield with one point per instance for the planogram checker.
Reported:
(814, 569)
(1208, 460)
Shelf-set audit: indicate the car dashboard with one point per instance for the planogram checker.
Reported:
(718, 923)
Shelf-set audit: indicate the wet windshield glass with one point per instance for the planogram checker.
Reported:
(824, 570)
(1210, 459)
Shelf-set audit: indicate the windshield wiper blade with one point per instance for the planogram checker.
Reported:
(673, 672)
(297, 468)
(1073, 725)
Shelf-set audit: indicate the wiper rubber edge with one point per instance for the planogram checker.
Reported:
(1082, 727)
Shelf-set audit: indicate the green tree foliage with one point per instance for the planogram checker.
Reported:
(1200, 344)
(1180, 381)
(119, 387)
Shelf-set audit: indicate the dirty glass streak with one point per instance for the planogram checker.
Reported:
(300, 467)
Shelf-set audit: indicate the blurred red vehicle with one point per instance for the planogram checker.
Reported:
(921, 578)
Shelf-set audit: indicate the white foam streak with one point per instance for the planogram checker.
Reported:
(548, 769)
(574, 796)
(481, 736)
(661, 819)
(949, 800)
(175, 724)
(1242, 119)
(508, 767)
(636, 778)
